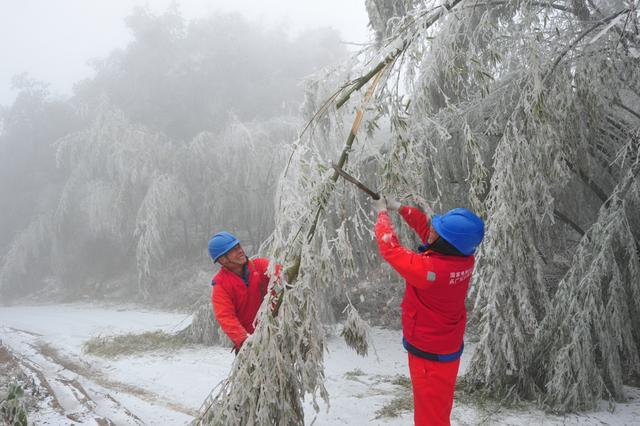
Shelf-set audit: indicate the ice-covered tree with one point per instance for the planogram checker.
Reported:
(205, 104)
(112, 167)
(135, 202)
(587, 345)
(28, 176)
(25, 256)
(317, 240)
(517, 109)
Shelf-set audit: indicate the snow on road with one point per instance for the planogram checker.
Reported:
(167, 388)
(47, 341)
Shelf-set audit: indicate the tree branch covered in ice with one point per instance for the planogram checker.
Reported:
(283, 359)
(587, 345)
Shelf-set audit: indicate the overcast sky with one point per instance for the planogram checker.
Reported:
(52, 40)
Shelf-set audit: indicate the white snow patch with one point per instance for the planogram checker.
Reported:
(177, 382)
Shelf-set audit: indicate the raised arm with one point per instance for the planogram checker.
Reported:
(417, 220)
(410, 265)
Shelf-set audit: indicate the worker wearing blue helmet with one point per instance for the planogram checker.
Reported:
(434, 314)
(238, 288)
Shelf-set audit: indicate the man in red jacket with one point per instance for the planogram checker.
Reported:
(433, 309)
(238, 288)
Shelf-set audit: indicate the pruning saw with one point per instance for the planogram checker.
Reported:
(356, 182)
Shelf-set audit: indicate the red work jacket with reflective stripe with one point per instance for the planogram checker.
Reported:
(433, 310)
(236, 303)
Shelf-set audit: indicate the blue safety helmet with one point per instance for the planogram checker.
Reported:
(221, 243)
(461, 228)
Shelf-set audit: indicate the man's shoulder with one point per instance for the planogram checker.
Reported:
(219, 277)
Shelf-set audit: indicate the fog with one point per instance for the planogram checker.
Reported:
(55, 42)
(133, 131)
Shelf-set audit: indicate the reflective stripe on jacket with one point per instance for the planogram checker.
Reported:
(433, 310)
(236, 303)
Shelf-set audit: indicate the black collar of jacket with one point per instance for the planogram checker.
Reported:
(442, 246)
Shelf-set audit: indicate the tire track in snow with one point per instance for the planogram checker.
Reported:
(68, 397)
(79, 392)
(87, 372)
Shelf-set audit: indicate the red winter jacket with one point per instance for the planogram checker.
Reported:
(236, 302)
(433, 310)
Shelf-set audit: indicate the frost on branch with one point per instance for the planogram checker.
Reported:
(204, 329)
(356, 331)
(318, 234)
(25, 248)
(277, 366)
(589, 342)
(159, 209)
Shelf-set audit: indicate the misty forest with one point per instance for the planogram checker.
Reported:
(526, 112)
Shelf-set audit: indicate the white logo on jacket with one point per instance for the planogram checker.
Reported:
(459, 276)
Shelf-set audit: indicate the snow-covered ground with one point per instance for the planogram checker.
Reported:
(167, 388)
